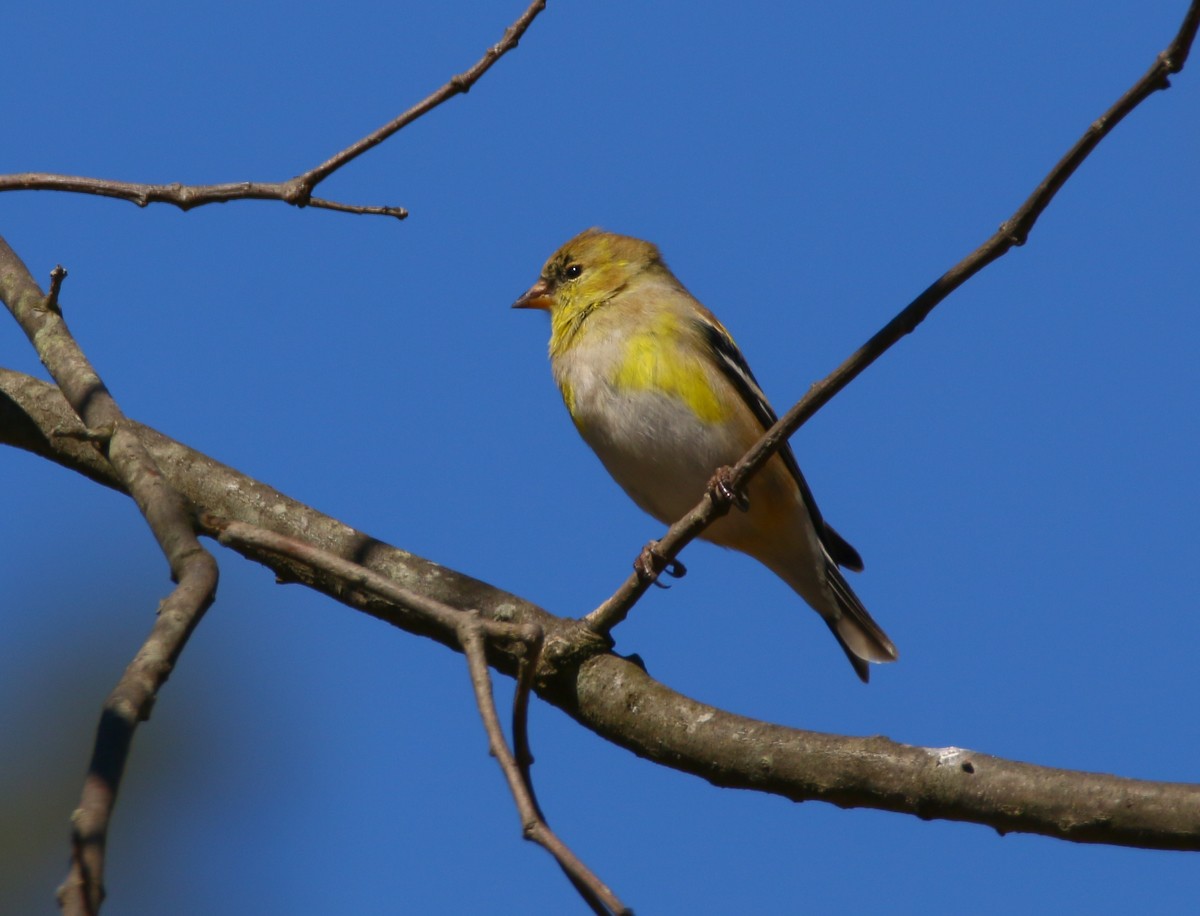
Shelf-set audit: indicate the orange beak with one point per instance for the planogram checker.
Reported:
(536, 297)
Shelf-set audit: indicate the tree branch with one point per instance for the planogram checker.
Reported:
(618, 701)
(296, 191)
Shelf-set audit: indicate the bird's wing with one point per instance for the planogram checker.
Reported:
(733, 365)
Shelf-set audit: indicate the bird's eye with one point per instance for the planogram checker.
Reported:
(573, 271)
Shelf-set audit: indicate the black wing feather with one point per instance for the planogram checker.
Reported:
(734, 365)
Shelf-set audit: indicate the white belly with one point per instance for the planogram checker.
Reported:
(653, 445)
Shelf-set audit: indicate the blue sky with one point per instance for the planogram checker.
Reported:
(1019, 474)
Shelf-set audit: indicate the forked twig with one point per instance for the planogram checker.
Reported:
(472, 629)
(296, 191)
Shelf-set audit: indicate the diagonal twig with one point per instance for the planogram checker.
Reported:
(296, 191)
(461, 83)
(1013, 232)
(192, 568)
(472, 629)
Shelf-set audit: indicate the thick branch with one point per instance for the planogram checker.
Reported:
(619, 701)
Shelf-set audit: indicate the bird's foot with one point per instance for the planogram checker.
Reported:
(723, 491)
(650, 564)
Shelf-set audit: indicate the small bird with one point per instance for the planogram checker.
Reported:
(664, 397)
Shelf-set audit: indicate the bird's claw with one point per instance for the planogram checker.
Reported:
(722, 488)
(675, 569)
(650, 564)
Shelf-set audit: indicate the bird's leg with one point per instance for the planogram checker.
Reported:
(723, 491)
(650, 563)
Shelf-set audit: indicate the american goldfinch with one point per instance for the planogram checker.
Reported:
(661, 393)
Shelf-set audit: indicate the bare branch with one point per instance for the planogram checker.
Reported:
(261, 540)
(461, 83)
(620, 702)
(470, 628)
(297, 191)
(192, 567)
(1014, 231)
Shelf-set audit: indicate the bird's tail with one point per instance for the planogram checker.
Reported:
(860, 637)
(830, 595)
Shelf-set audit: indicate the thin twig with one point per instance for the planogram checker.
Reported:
(526, 675)
(1013, 232)
(187, 196)
(461, 83)
(356, 576)
(169, 518)
(540, 831)
(297, 191)
(595, 893)
(471, 628)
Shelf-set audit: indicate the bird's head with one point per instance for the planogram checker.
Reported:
(588, 271)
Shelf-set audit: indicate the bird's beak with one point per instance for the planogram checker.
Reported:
(536, 297)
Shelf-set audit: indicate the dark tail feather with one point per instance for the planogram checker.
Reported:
(860, 637)
(861, 667)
